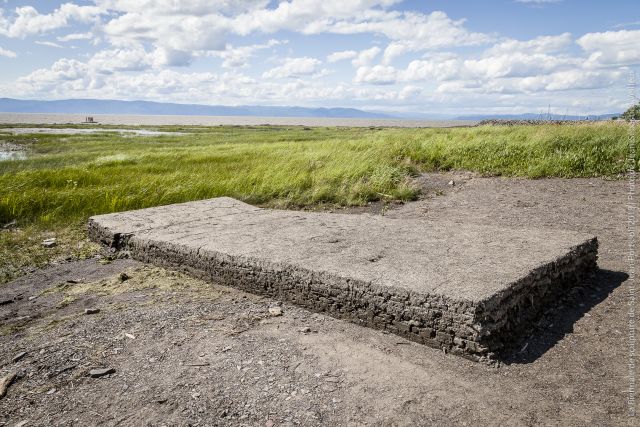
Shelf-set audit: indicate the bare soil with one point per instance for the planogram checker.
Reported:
(187, 352)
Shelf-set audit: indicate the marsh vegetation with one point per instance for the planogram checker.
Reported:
(64, 179)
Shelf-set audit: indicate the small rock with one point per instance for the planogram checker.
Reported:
(19, 356)
(269, 423)
(275, 311)
(49, 243)
(452, 183)
(97, 373)
(305, 330)
(196, 364)
(91, 310)
(124, 276)
(22, 423)
(11, 224)
(162, 400)
(62, 370)
(53, 390)
(5, 382)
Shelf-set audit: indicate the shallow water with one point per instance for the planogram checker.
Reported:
(74, 131)
(12, 155)
(114, 119)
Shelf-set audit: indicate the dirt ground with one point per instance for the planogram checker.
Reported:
(190, 353)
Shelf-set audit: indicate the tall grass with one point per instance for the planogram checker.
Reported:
(68, 178)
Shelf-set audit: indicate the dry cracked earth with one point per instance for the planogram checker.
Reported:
(179, 351)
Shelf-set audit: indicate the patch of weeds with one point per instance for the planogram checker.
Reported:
(11, 329)
(67, 300)
(21, 248)
(73, 177)
(60, 287)
(69, 178)
(138, 279)
(51, 324)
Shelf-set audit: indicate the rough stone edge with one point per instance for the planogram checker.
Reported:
(477, 331)
(505, 318)
(105, 236)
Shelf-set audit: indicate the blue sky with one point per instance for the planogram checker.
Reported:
(432, 57)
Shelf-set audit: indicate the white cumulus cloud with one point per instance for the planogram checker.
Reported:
(341, 55)
(612, 48)
(7, 53)
(378, 74)
(293, 67)
(49, 44)
(27, 21)
(412, 58)
(239, 56)
(76, 36)
(365, 57)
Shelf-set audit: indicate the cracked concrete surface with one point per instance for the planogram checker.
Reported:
(468, 289)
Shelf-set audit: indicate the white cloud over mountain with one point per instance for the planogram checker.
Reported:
(144, 49)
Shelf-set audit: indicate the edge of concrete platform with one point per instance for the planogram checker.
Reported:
(506, 316)
(476, 330)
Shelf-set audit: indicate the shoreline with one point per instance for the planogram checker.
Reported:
(158, 120)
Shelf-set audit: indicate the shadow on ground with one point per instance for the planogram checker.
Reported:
(559, 320)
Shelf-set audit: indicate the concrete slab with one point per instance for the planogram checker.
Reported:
(469, 289)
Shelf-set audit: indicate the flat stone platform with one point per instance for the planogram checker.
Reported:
(469, 289)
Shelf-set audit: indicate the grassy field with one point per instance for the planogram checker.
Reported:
(67, 178)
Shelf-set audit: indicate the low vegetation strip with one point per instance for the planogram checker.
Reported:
(61, 180)
(70, 177)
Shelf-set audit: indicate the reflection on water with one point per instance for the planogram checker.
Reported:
(12, 155)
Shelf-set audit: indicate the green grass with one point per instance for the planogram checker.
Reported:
(66, 179)
(21, 248)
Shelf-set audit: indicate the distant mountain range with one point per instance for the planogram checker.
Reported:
(532, 116)
(101, 106)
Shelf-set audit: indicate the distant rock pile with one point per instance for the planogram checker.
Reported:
(530, 122)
